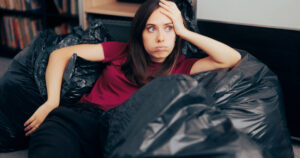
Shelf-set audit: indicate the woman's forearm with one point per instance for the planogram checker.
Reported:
(54, 75)
(218, 51)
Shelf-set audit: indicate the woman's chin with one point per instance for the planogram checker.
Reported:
(158, 59)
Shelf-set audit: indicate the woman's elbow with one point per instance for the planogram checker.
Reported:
(235, 60)
(54, 54)
(58, 55)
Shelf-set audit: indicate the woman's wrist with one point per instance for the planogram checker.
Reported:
(51, 104)
(184, 34)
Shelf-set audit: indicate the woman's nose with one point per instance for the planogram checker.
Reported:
(160, 36)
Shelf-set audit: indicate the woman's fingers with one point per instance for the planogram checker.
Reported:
(164, 5)
(31, 128)
(167, 13)
(37, 118)
(28, 121)
(31, 125)
(170, 4)
(171, 7)
(166, 2)
(167, 10)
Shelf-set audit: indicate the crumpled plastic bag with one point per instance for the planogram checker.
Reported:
(23, 88)
(175, 123)
(234, 113)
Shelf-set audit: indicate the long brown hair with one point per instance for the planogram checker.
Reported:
(135, 67)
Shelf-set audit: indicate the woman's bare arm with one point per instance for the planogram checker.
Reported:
(220, 54)
(54, 73)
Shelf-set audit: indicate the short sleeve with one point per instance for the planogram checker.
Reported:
(183, 65)
(113, 50)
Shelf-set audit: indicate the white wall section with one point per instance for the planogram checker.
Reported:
(283, 14)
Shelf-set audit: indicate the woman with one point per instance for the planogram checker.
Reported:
(153, 50)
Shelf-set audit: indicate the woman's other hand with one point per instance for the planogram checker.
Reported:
(171, 10)
(38, 118)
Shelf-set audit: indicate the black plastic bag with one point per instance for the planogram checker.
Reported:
(174, 122)
(23, 88)
(234, 112)
(250, 95)
(79, 78)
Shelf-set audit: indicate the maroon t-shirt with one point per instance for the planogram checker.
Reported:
(112, 87)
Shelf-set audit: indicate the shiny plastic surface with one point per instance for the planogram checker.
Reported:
(236, 113)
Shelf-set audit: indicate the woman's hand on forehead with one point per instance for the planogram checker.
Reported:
(171, 10)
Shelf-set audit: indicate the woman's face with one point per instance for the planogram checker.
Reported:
(159, 36)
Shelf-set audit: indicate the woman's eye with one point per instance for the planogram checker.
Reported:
(169, 28)
(150, 29)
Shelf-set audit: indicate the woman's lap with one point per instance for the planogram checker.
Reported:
(77, 131)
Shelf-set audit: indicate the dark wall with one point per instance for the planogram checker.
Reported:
(279, 49)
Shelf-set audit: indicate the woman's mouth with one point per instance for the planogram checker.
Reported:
(161, 48)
